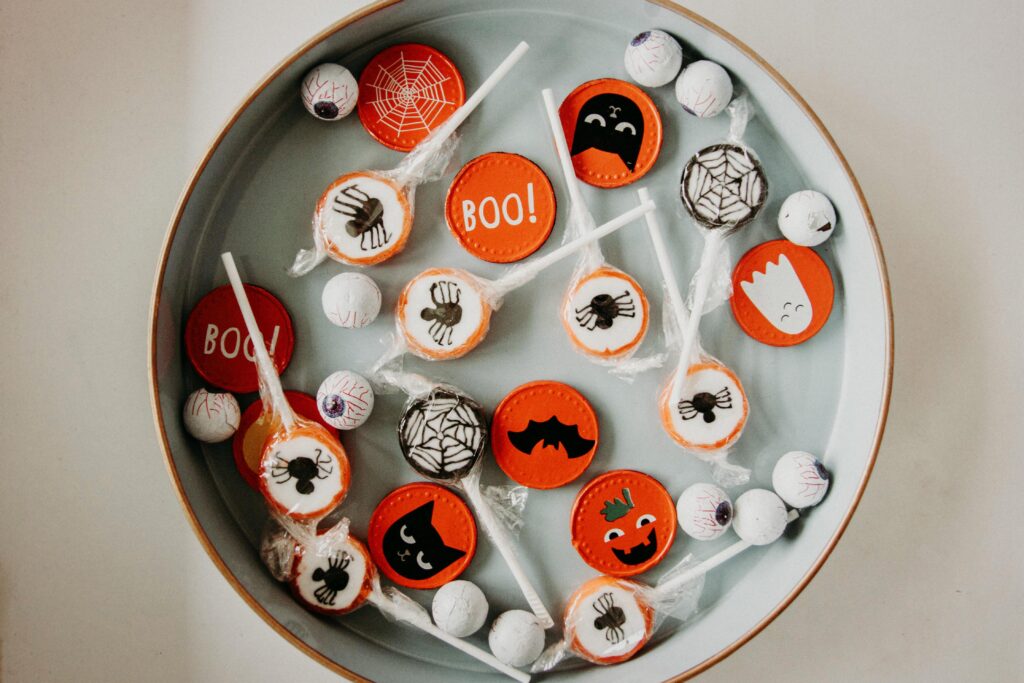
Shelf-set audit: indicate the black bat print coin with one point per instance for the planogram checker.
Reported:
(442, 314)
(442, 434)
(723, 186)
(333, 580)
(363, 218)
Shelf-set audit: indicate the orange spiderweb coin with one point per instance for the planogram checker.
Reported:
(406, 92)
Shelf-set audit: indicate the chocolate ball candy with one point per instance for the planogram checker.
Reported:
(516, 638)
(807, 218)
(800, 480)
(351, 300)
(653, 58)
(459, 608)
(345, 400)
(329, 92)
(704, 511)
(704, 89)
(760, 517)
(209, 417)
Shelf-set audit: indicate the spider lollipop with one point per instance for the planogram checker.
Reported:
(365, 217)
(304, 472)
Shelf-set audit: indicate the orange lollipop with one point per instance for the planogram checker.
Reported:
(608, 620)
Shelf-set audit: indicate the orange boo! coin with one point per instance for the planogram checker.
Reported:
(422, 536)
(623, 522)
(613, 130)
(544, 434)
(407, 91)
(782, 293)
(500, 207)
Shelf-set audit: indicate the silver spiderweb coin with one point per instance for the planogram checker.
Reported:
(723, 186)
(442, 434)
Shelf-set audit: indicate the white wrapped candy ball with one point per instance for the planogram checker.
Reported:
(329, 92)
(807, 218)
(351, 300)
(345, 399)
(459, 608)
(704, 511)
(653, 58)
(704, 89)
(760, 517)
(516, 638)
(800, 479)
(211, 418)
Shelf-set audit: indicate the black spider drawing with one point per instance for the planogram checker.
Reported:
(335, 578)
(603, 309)
(446, 312)
(303, 470)
(366, 217)
(705, 404)
(610, 616)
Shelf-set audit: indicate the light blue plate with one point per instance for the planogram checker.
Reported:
(254, 195)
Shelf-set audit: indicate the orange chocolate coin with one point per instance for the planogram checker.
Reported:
(422, 536)
(500, 207)
(712, 412)
(406, 92)
(544, 434)
(609, 620)
(782, 293)
(613, 130)
(623, 522)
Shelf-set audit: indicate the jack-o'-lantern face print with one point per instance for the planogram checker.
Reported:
(623, 523)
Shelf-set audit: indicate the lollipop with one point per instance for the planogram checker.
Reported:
(365, 217)
(304, 472)
(605, 311)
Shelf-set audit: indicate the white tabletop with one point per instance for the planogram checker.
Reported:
(104, 109)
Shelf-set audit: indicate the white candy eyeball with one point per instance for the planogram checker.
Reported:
(807, 218)
(704, 511)
(351, 300)
(345, 400)
(516, 638)
(760, 517)
(459, 608)
(800, 479)
(653, 58)
(211, 418)
(704, 89)
(329, 92)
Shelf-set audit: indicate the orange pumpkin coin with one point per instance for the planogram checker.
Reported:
(544, 434)
(623, 522)
(422, 536)
(337, 582)
(500, 207)
(613, 130)
(609, 620)
(406, 92)
(782, 293)
(442, 314)
(712, 412)
(304, 472)
(606, 314)
(363, 218)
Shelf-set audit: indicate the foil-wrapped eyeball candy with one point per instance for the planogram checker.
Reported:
(329, 92)
(760, 517)
(704, 511)
(516, 638)
(351, 300)
(209, 417)
(800, 479)
(345, 399)
(653, 58)
(459, 608)
(807, 218)
(704, 89)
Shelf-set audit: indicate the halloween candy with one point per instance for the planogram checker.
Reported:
(459, 608)
(209, 417)
(800, 479)
(704, 89)
(365, 217)
(345, 400)
(516, 638)
(351, 300)
(653, 58)
(705, 511)
(329, 92)
(807, 218)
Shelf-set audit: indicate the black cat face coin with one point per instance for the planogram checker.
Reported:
(442, 434)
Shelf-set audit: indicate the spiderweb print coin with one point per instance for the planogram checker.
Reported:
(337, 582)
(609, 620)
(723, 186)
(442, 434)
(407, 91)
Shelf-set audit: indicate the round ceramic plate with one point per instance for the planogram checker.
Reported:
(254, 193)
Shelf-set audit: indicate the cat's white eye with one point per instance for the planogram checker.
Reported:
(624, 125)
(612, 534)
(423, 563)
(595, 118)
(406, 537)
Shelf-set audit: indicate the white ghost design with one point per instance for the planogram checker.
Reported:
(780, 296)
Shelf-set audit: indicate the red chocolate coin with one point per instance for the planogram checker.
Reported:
(782, 293)
(500, 207)
(254, 428)
(219, 347)
(613, 130)
(544, 434)
(623, 523)
(407, 91)
(422, 536)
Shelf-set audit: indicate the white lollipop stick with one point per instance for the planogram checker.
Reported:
(387, 607)
(265, 366)
(572, 183)
(501, 540)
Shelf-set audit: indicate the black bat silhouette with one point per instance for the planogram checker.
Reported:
(553, 433)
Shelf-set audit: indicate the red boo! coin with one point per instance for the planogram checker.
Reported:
(544, 434)
(255, 426)
(782, 293)
(407, 91)
(422, 536)
(623, 523)
(219, 347)
(500, 207)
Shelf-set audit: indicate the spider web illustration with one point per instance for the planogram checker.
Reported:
(409, 94)
(443, 435)
(724, 186)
